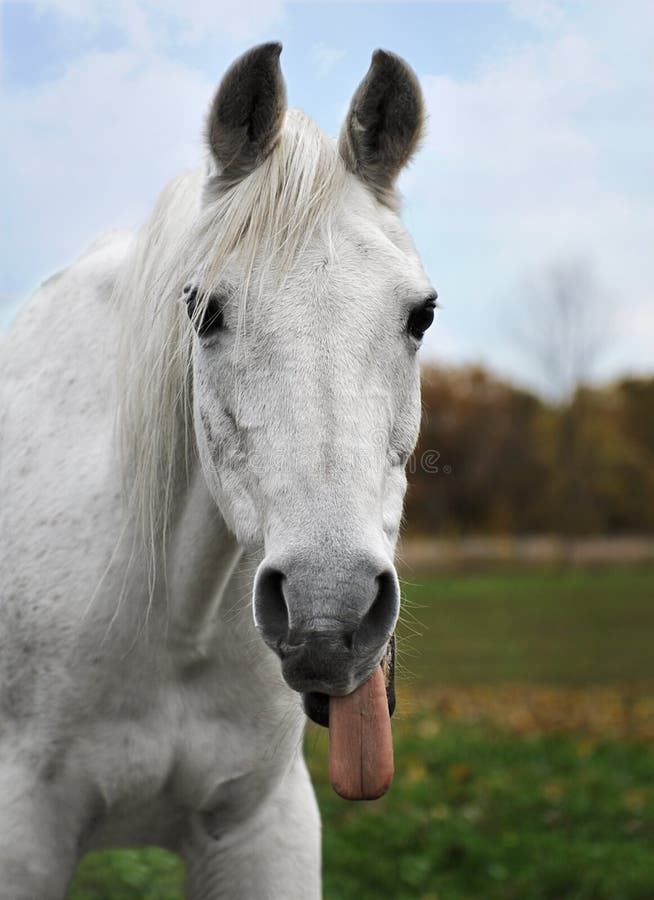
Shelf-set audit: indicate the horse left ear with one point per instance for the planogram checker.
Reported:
(247, 112)
(384, 123)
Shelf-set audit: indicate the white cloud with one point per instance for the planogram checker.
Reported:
(325, 57)
(518, 118)
(543, 13)
(92, 149)
(520, 169)
(149, 22)
(201, 18)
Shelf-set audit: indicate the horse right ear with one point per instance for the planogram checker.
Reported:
(247, 112)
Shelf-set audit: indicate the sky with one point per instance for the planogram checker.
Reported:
(539, 152)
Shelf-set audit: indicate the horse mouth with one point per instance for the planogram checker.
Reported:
(316, 704)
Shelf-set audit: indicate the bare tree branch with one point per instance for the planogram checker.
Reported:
(563, 325)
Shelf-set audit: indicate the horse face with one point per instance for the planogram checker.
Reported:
(306, 381)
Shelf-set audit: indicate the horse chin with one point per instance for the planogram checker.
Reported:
(316, 704)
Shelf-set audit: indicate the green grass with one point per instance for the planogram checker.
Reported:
(565, 627)
(129, 875)
(482, 814)
(477, 812)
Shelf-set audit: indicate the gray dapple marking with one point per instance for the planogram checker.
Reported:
(162, 478)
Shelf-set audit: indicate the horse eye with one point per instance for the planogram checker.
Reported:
(211, 319)
(421, 318)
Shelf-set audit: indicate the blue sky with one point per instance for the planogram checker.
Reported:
(540, 145)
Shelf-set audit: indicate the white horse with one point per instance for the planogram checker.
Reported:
(204, 432)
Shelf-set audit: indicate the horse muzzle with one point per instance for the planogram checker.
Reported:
(316, 703)
(330, 624)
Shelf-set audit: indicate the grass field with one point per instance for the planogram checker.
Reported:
(524, 753)
(560, 627)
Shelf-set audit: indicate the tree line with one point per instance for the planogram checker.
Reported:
(496, 458)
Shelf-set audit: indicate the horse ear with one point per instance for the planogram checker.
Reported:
(384, 123)
(247, 112)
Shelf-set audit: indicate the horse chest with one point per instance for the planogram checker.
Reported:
(188, 754)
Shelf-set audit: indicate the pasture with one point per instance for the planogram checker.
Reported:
(524, 745)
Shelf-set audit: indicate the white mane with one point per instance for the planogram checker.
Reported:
(193, 230)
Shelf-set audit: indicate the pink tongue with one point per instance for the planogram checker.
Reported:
(360, 741)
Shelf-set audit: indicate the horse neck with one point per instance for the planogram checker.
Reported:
(201, 555)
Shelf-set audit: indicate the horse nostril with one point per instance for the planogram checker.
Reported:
(339, 617)
(270, 609)
(379, 621)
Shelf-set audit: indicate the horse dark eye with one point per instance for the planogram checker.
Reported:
(211, 319)
(420, 319)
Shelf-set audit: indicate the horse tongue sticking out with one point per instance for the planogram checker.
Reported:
(360, 741)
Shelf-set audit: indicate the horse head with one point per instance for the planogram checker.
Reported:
(308, 306)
